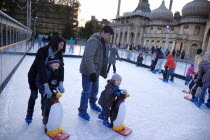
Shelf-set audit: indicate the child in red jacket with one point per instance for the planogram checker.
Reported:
(171, 65)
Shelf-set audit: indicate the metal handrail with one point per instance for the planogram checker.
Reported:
(13, 20)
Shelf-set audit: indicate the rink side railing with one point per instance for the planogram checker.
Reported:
(12, 55)
(13, 36)
(125, 55)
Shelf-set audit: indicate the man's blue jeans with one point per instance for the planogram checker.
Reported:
(205, 86)
(90, 91)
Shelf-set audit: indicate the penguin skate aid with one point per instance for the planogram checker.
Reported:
(53, 117)
(118, 113)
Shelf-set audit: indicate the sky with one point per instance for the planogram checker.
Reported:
(107, 9)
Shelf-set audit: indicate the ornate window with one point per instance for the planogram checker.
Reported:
(158, 43)
(159, 30)
(193, 49)
(147, 43)
(197, 30)
(186, 29)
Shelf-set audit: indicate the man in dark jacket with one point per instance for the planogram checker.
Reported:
(204, 76)
(94, 63)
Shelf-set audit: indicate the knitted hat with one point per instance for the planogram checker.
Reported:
(53, 59)
(206, 56)
(116, 77)
(199, 51)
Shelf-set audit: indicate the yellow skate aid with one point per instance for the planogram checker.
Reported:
(119, 128)
(127, 95)
(55, 132)
(58, 95)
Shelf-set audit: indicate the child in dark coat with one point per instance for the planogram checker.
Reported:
(139, 60)
(52, 73)
(189, 74)
(108, 96)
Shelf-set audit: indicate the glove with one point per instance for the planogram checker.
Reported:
(199, 83)
(47, 90)
(60, 87)
(117, 93)
(93, 77)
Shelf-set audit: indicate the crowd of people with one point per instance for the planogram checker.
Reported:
(145, 49)
(47, 74)
(200, 78)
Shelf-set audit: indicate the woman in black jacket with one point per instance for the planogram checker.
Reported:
(55, 48)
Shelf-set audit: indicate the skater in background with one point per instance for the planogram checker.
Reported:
(94, 63)
(165, 72)
(39, 41)
(183, 54)
(189, 74)
(153, 64)
(174, 52)
(159, 58)
(204, 79)
(167, 52)
(198, 84)
(108, 96)
(152, 50)
(71, 42)
(56, 47)
(139, 60)
(171, 66)
(113, 53)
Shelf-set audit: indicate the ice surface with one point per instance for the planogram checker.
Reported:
(155, 110)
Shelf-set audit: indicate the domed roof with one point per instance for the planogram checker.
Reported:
(161, 13)
(196, 8)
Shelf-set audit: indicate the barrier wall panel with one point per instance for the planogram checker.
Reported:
(0, 71)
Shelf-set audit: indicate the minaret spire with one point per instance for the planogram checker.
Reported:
(140, 2)
(170, 6)
(118, 9)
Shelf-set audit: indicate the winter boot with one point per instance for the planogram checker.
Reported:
(195, 100)
(84, 116)
(29, 116)
(166, 81)
(95, 107)
(186, 83)
(101, 116)
(154, 71)
(171, 80)
(28, 121)
(207, 104)
(106, 123)
(199, 103)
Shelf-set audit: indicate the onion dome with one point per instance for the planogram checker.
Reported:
(161, 13)
(196, 8)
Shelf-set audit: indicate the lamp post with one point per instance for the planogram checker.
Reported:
(35, 26)
(167, 38)
(118, 36)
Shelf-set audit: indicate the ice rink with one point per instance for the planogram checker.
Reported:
(155, 110)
